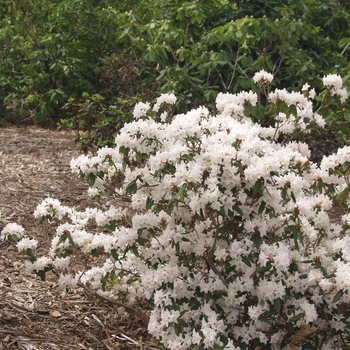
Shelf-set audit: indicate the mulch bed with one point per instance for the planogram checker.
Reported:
(34, 165)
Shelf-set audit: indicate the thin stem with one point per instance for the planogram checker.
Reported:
(115, 302)
(214, 268)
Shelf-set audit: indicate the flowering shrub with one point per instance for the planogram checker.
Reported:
(231, 240)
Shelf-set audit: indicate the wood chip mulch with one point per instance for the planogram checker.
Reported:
(34, 165)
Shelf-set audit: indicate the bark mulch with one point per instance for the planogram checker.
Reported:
(34, 165)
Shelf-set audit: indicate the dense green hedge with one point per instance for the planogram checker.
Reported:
(53, 52)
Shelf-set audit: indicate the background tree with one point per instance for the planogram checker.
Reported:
(203, 47)
(54, 50)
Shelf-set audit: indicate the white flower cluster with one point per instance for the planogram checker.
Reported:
(12, 229)
(262, 77)
(335, 83)
(303, 111)
(165, 98)
(231, 239)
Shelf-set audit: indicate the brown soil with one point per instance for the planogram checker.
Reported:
(34, 165)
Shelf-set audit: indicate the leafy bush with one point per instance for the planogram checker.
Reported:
(204, 47)
(94, 123)
(231, 241)
(52, 51)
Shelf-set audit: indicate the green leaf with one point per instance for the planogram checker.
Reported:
(32, 98)
(197, 347)
(182, 191)
(95, 253)
(142, 240)
(177, 248)
(344, 42)
(347, 116)
(338, 296)
(277, 304)
(63, 238)
(177, 330)
(114, 255)
(40, 220)
(131, 187)
(101, 174)
(295, 318)
(264, 319)
(257, 239)
(41, 274)
(258, 188)
(237, 209)
(182, 323)
(91, 179)
(149, 203)
(111, 226)
(262, 207)
(296, 238)
(247, 261)
(293, 196)
(29, 252)
(135, 251)
(264, 269)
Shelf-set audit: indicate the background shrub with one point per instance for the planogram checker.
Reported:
(53, 52)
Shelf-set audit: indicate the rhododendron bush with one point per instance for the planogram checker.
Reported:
(231, 239)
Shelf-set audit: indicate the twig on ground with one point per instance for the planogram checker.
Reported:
(131, 309)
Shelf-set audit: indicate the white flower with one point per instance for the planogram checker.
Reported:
(333, 81)
(93, 191)
(141, 109)
(254, 312)
(51, 207)
(38, 265)
(169, 317)
(262, 77)
(342, 275)
(230, 346)
(233, 104)
(338, 322)
(62, 263)
(342, 94)
(309, 311)
(305, 87)
(196, 337)
(12, 229)
(270, 290)
(164, 98)
(162, 298)
(67, 281)
(308, 93)
(209, 335)
(312, 93)
(26, 243)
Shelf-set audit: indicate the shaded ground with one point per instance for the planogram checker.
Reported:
(34, 165)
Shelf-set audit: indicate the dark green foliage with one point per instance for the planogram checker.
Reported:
(52, 51)
(94, 122)
(57, 53)
(203, 47)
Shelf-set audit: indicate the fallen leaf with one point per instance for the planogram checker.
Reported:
(300, 336)
(7, 338)
(55, 313)
(68, 303)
